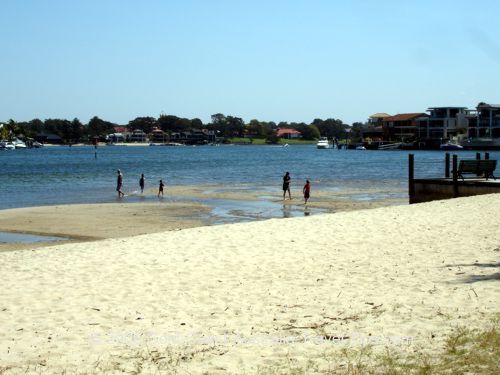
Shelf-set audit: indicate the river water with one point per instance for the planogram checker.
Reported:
(60, 174)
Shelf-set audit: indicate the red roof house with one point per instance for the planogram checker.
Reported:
(288, 133)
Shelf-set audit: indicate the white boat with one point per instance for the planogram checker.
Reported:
(390, 146)
(18, 143)
(5, 145)
(360, 147)
(323, 143)
(448, 146)
(484, 143)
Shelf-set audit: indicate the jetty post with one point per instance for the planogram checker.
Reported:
(455, 176)
(447, 165)
(411, 176)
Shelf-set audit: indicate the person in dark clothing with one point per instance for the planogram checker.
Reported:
(141, 183)
(160, 188)
(286, 185)
(119, 184)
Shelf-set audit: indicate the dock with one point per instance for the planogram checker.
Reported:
(450, 185)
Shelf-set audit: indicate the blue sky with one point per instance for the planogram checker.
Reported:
(274, 60)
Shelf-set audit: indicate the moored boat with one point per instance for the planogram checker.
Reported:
(484, 143)
(448, 146)
(390, 146)
(323, 143)
(6, 145)
(19, 144)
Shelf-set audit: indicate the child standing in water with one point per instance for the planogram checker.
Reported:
(160, 188)
(306, 190)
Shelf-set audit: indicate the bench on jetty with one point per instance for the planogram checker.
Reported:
(451, 185)
(483, 168)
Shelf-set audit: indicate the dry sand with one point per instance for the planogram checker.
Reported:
(216, 299)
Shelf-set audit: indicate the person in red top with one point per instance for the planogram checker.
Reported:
(306, 190)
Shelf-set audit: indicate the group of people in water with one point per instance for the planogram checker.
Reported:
(306, 190)
(142, 182)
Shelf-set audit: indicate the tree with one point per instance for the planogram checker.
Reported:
(235, 127)
(309, 132)
(99, 128)
(196, 123)
(4, 132)
(76, 133)
(272, 138)
(146, 124)
(218, 119)
(167, 123)
(36, 126)
(355, 133)
(60, 127)
(330, 128)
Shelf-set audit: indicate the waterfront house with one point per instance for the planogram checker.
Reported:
(443, 123)
(138, 136)
(115, 138)
(121, 134)
(193, 137)
(287, 133)
(48, 138)
(484, 127)
(488, 121)
(374, 129)
(403, 127)
(377, 119)
(158, 136)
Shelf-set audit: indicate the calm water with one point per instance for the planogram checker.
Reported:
(26, 238)
(56, 175)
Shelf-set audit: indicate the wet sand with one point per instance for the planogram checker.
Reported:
(89, 222)
(182, 207)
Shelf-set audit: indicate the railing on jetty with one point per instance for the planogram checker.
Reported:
(450, 186)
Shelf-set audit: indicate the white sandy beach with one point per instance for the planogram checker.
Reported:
(216, 299)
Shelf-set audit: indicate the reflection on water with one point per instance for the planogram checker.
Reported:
(287, 212)
(6, 237)
(230, 211)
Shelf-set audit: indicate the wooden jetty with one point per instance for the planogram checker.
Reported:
(451, 185)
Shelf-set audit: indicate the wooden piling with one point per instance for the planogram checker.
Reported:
(447, 165)
(411, 176)
(455, 176)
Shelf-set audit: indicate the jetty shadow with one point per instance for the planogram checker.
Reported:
(476, 278)
(485, 265)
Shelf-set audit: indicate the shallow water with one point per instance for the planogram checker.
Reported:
(58, 175)
(6, 237)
